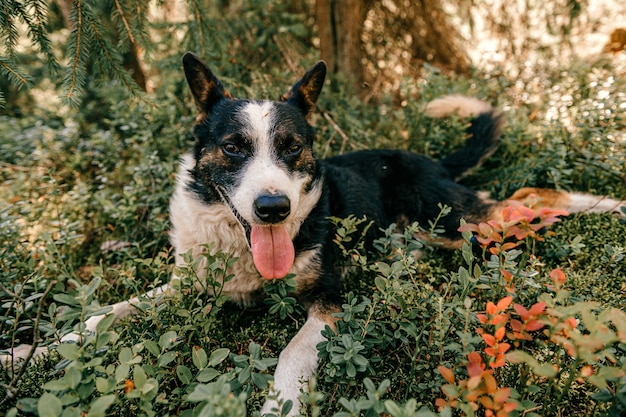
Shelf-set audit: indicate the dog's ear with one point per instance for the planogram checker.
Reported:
(304, 93)
(206, 89)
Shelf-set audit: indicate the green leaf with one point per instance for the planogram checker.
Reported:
(73, 377)
(56, 385)
(218, 356)
(102, 385)
(100, 405)
(125, 356)
(121, 372)
(140, 377)
(152, 347)
(166, 358)
(168, 340)
(603, 396)
(199, 357)
(66, 299)
(69, 351)
(184, 374)
(49, 406)
(207, 374)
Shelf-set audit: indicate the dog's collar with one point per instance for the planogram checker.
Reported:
(247, 229)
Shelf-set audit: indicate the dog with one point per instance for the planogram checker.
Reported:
(253, 188)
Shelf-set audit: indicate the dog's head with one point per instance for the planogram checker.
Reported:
(257, 156)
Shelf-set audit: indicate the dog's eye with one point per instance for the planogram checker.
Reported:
(231, 149)
(294, 150)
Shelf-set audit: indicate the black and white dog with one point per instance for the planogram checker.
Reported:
(252, 187)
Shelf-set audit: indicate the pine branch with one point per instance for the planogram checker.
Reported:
(123, 27)
(8, 10)
(141, 10)
(196, 12)
(39, 34)
(13, 74)
(77, 48)
(109, 59)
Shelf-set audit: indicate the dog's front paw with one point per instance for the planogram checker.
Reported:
(276, 405)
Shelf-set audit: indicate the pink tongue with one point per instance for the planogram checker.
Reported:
(272, 251)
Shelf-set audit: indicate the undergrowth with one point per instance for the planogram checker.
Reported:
(512, 324)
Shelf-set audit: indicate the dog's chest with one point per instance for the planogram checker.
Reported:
(198, 227)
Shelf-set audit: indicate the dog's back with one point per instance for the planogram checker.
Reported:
(394, 186)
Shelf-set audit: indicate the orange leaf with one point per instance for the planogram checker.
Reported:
(502, 395)
(558, 276)
(491, 308)
(489, 339)
(129, 386)
(468, 227)
(441, 403)
(484, 229)
(490, 383)
(446, 373)
(498, 363)
(475, 366)
(586, 371)
(499, 334)
(504, 303)
(508, 246)
(481, 318)
(499, 319)
(486, 402)
(473, 383)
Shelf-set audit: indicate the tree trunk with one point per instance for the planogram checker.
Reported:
(341, 29)
(340, 25)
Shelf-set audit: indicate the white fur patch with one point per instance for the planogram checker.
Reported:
(588, 203)
(462, 106)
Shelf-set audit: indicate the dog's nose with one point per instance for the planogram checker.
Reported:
(272, 208)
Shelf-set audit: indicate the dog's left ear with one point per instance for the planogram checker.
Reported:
(304, 93)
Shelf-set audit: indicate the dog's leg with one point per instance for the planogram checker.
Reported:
(297, 362)
(119, 310)
(570, 202)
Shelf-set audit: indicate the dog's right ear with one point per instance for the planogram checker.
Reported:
(206, 89)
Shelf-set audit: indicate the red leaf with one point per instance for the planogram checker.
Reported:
(534, 325)
(537, 308)
(521, 310)
(516, 325)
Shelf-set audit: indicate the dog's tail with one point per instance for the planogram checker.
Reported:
(484, 131)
